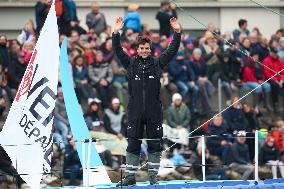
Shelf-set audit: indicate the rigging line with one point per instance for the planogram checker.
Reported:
(265, 7)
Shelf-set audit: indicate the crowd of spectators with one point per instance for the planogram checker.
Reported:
(242, 60)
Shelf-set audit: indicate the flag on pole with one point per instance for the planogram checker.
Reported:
(29, 123)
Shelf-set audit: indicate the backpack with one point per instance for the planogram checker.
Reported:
(58, 8)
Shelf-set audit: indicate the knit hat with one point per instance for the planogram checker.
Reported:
(115, 101)
(188, 40)
(197, 50)
(269, 139)
(176, 96)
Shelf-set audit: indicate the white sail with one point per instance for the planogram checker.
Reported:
(29, 123)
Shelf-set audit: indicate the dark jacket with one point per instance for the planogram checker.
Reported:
(71, 157)
(215, 142)
(41, 11)
(252, 121)
(236, 66)
(179, 73)
(199, 68)
(80, 75)
(94, 121)
(235, 119)
(16, 72)
(240, 153)
(4, 56)
(268, 153)
(164, 17)
(144, 79)
(227, 72)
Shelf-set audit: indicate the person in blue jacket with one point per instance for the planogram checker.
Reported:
(132, 19)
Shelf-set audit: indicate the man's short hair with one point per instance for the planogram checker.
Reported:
(143, 40)
(242, 22)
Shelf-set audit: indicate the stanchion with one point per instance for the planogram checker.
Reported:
(203, 157)
(89, 162)
(256, 156)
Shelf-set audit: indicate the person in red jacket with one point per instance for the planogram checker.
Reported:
(253, 77)
(274, 63)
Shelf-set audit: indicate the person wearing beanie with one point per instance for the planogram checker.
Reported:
(189, 47)
(144, 108)
(178, 113)
(179, 117)
(270, 155)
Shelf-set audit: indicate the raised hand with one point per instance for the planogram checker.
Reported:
(118, 25)
(176, 26)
